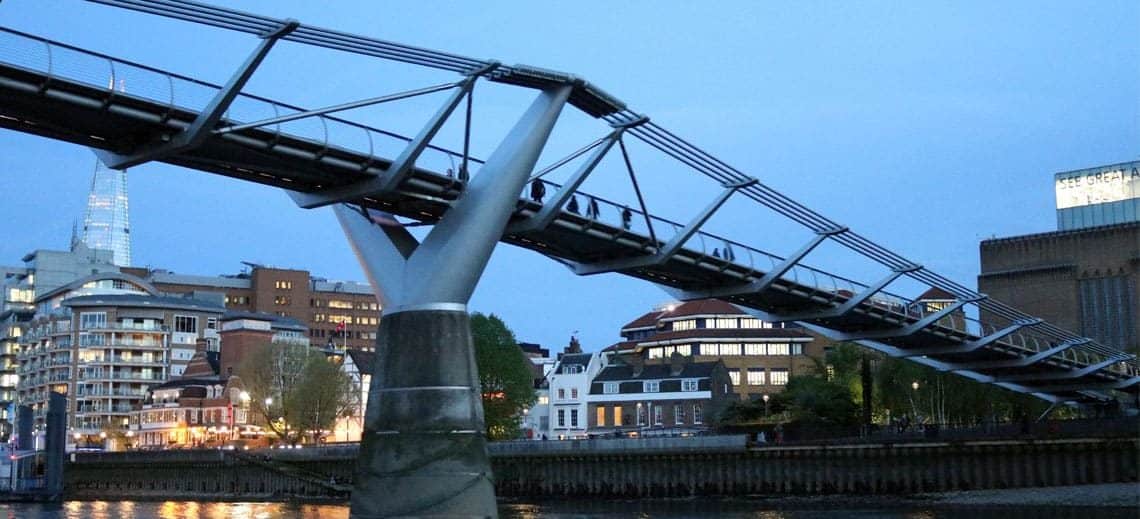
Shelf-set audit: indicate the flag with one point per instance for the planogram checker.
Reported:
(340, 326)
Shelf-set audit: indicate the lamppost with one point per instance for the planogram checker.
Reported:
(913, 407)
(765, 398)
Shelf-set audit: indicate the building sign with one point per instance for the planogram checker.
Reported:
(1098, 185)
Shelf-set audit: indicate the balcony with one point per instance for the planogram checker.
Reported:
(131, 328)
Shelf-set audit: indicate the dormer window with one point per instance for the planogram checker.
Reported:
(651, 386)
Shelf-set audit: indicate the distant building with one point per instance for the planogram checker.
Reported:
(568, 386)
(107, 224)
(759, 356)
(319, 304)
(103, 341)
(678, 398)
(1083, 280)
(358, 365)
(536, 420)
(1094, 197)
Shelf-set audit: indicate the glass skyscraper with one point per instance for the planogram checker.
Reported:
(107, 223)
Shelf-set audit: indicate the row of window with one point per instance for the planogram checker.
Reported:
(720, 323)
(728, 349)
(333, 334)
(344, 305)
(776, 376)
(612, 415)
(651, 386)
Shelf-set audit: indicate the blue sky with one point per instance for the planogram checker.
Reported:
(924, 126)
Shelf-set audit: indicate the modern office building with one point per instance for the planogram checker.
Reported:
(1086, 275)
(759, 356)
(103, 341)
(106, 225)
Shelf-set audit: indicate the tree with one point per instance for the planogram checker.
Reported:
(505, 378)
(295, 390)
(323, 394)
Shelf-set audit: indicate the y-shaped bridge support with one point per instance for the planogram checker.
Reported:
(423, 452)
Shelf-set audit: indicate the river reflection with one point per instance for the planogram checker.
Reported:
(648, 509)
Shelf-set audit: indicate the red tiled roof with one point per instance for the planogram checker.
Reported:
(647, 320)
(695, 307)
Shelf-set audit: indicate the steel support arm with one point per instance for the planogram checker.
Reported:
(1060, 375)
(203, 125)
(974, 345)
(551, 209)
(1107, 386)
(402, 165)
(1018, 363)
(674, 244)
(855, 300)
(915, 327)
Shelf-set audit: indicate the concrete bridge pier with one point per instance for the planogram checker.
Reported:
(423, 451)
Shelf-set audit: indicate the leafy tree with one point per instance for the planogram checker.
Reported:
(323, 394)
(294, 390)
(814, 399)
(505, 377)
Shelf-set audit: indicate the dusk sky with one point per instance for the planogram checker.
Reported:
(926, 127)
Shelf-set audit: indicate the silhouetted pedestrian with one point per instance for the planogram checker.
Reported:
(573, 205)
(716, 252)
(537, 190)
(592, 208)
(464, 176)
(626, 217)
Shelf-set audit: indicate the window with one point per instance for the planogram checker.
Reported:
(734, 375)
(678, 414)
(90, 320)
(778, 348)
(185, 324)
(283, 285)
(754, 349)
(685, 349)
(698, 415)
(281, 300)
(797, 348)
(543, 400)
(723, 322)
(561, 394)
(92, 339)
(752, 322)
(601, 418)
(779, 377)
(610, 388)
(651, 386)
(617, 416)
(340, 304)
(684, 325)
(211, 323)
(755, 376)
(689, 384)
(562, 418)
(573, 418)
(658, 415)
(574, 393)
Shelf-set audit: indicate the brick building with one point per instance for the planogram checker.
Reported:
(319, 304)
(759, 356)
(1084, 280)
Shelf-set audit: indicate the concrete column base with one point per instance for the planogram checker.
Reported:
(423, 452)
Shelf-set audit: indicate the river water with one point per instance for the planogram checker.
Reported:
(678, 508)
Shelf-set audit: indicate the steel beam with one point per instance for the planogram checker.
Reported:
(974, 345)
(674, 244)
(1060, 375)
(915, 327)
(855, 300)
(203, 125)
(1105, 386)
(402, 165)
(551, 209)
(1020, 362)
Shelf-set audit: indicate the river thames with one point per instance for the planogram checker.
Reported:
(678, 508)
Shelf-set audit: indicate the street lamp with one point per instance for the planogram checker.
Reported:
(913, 407)
(765, 398)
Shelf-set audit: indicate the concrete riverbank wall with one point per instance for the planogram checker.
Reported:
(631, 468)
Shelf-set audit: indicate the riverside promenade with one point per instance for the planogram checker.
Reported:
(636, 468)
